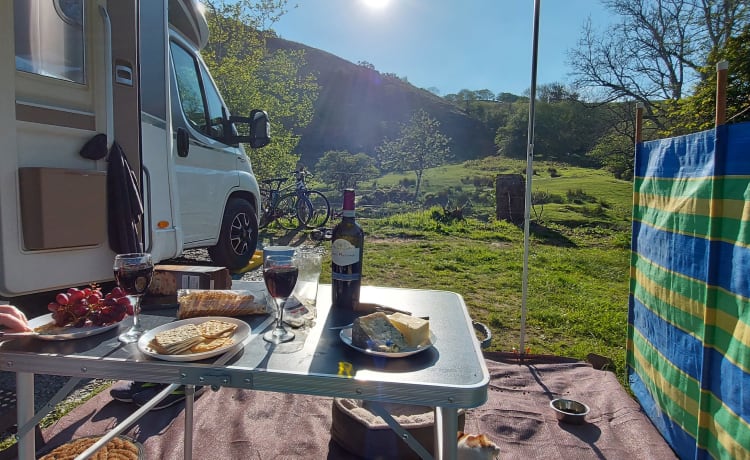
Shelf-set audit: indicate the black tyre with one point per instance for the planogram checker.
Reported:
(318, 212)
(286, 212)
(239, 235)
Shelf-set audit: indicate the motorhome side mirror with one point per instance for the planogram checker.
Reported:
(259, 129)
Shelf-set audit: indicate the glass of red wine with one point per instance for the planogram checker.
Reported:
(280, 274)
(133, 273)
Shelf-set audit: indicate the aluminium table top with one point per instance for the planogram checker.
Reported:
(452, 373)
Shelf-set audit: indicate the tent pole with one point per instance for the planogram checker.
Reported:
(529, 174)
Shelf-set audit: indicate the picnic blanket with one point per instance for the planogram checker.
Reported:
(244, 424)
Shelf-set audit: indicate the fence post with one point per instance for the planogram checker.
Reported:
(721, 92)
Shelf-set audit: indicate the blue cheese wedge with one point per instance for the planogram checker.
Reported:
(415, 330)
(377, 332)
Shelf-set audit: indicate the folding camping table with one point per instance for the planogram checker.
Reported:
(452, 374)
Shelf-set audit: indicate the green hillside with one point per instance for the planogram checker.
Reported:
(578, 263)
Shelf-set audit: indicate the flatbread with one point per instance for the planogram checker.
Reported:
(194, 303)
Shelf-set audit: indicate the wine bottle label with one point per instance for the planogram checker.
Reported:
(345, 276)
(344, 253)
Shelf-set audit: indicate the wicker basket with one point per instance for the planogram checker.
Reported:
(355, 428)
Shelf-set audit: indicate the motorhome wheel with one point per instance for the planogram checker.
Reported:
(239, 235)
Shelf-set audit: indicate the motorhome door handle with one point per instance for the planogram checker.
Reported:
(124, 74)
(183, 142)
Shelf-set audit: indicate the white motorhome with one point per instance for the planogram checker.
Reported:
(129, 70)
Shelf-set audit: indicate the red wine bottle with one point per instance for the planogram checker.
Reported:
(347, 244)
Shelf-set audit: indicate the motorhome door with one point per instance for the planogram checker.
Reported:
(58, 89)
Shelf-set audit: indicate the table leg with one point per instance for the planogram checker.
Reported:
(25, 412)
(446, 432)
(189, 400)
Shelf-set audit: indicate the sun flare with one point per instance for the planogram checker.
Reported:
(376, 4)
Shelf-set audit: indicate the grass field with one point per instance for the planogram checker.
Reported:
(578, 277)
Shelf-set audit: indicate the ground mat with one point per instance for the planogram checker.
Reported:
(243, 424)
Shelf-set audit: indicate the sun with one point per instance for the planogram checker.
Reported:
(376, 4)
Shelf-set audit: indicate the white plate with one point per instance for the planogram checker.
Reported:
(66, 333)
(240, 334)
(346, 337)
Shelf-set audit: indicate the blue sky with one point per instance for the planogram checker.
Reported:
(447, 44)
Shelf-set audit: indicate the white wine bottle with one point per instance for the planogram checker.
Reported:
(347, 245)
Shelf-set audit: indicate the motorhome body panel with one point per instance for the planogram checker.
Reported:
(49, 109)
(121, 85)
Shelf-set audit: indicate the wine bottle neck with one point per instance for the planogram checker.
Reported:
(348, 213)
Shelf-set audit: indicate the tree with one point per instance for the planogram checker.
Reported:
(614, 150)
(564, 131)
(696, 113)
(615, 153)
(341, 169)
(656, 51)
(420, 146)
(250, 77)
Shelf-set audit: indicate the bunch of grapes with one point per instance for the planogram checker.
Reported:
(87, 307)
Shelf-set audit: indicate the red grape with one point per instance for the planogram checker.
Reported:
(62, 298)
(82, 307)
(123, 301)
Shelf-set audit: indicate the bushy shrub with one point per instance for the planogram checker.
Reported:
(578, 196)
(407, 182)
(539, 197)
(381, 196)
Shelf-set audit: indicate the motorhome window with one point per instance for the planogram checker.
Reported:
(189, 88)
(216, 110)
(50, 38)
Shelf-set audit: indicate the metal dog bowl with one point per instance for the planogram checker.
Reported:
(569, 411)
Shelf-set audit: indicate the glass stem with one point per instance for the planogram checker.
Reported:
(280, 316)
(136, 311)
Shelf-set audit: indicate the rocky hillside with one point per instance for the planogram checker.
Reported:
(358, 107)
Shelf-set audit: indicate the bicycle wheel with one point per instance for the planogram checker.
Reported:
(319, 210)
(265, 211)
(286, 212)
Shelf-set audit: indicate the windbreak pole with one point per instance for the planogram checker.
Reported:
(529, 174)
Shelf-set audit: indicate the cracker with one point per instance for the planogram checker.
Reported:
(211, 344)
(185, 346)
(214, 328)
(174, 338)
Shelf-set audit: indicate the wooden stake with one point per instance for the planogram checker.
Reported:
(639, 122)
(721, 92)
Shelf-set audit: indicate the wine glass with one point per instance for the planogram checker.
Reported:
(133, 274)
(280, 274)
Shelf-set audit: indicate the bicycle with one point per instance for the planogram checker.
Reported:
(293, 209)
